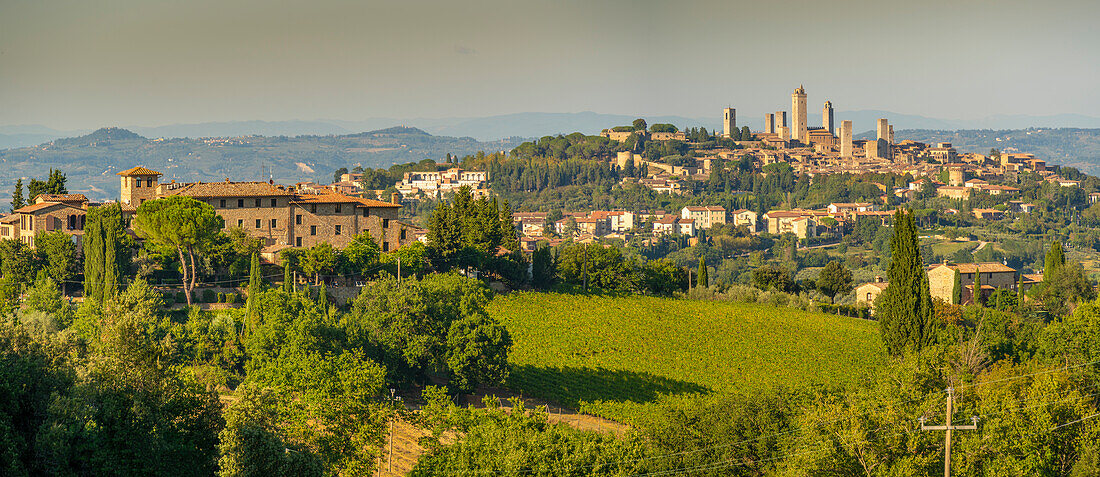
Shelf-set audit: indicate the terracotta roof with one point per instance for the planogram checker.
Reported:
(9, 219)
(984, 267)
(139, 171)
(230, 189)
(30, 209)
(62, 197)
(324, 199)
(879, 285)
(375, 203)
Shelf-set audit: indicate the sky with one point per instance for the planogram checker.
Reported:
(81, 64)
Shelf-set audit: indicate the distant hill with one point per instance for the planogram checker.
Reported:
(91, 160)
(535, 124)
(1078, 148)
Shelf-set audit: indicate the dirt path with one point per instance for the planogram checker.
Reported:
(981, 245)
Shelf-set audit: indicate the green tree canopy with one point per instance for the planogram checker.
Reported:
(182, 223)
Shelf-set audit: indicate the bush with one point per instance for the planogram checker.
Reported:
(231, 298)
(209, 296)
(221, 297)
(168, 298)
(181, 297)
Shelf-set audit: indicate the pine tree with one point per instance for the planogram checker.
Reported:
(904, 309)
(17, 200)
(956, 292)
(704, 278)
(976, 298)
(1054, 262)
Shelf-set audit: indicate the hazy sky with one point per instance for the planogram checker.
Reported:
(82, 64)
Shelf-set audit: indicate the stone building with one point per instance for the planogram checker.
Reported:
(729, 121)
(941, 279)
(705, 217)
(846, 138)
(284, 216)
(827, 116)
(139, 184)
(798, 115)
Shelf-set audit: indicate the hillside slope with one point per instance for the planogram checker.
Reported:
(617, 357)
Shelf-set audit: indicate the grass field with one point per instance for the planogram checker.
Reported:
(618, 357)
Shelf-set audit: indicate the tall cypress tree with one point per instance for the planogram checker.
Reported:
(976, 298)
(1054, 262)
(255, 286)
(93, 255)
(956, 292)
(704, 277)
(904, 309)
(105, 256)
(288, 278)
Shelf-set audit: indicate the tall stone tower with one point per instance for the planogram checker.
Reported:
(883, 129)
(798, 115)
(769, 123)
(729, 121)
(891, 138)
(780, 120)
(139, 184)
(827, 116)
(846, 138)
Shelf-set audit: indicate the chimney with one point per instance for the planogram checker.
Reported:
(878, 278)
(395, 198)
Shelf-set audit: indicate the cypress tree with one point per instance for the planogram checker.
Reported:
(1054, 262)
(1020, 290)
(255, 285)
(956, 292)
(105, 256)
(904, 309)
(93, 255)
(976, 299)
(322, 298)
(17, 200)
(288, 278)
(704, 277)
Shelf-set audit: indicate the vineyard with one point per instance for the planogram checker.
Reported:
(618, 357)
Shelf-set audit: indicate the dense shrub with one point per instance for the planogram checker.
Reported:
(209, 296)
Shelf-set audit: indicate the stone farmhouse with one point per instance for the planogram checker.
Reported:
(994, 276)
(282, 216)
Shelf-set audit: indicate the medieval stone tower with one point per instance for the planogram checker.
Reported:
(798, 115)
(139, 184)
(827, 117)
(846, 138)
(729, 121)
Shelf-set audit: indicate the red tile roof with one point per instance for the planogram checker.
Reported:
(139, 171)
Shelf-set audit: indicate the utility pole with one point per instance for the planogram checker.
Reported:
(948, 427)
(393, 399)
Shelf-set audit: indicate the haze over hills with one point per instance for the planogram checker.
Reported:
(530, 124)
(91, 161)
